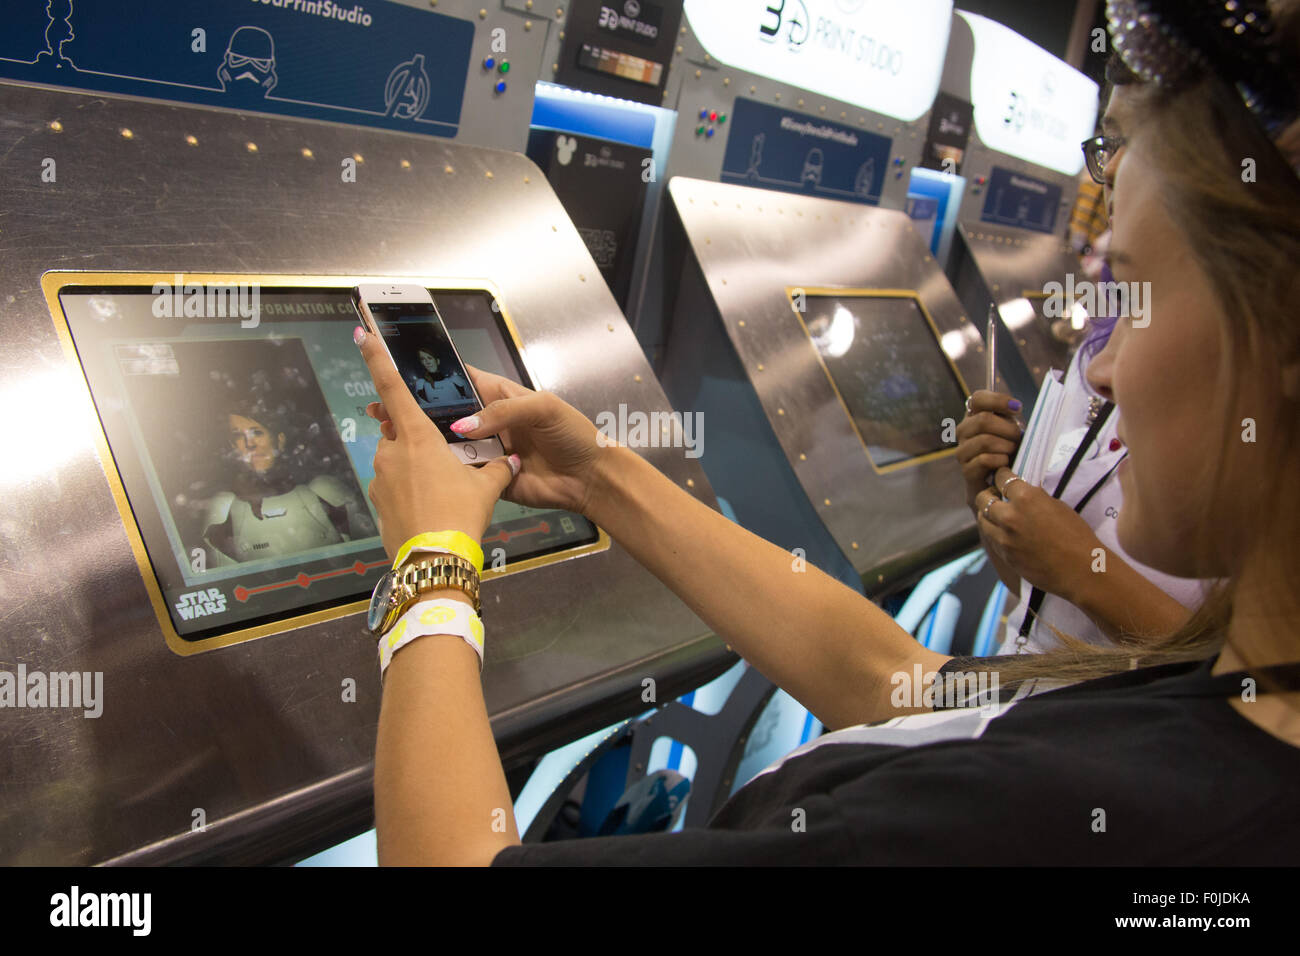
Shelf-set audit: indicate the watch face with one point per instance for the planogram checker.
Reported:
(379, 602)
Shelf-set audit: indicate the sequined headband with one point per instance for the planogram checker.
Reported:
(1166, 42)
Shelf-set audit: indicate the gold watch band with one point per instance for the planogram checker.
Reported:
(430, 573)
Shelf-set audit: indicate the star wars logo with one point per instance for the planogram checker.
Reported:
(194, 604)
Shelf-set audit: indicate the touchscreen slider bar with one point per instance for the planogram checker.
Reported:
(304, 580)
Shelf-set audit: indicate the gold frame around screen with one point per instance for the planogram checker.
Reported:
(55, 282)
(938, 340)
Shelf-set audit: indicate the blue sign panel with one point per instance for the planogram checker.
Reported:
(1015, 199)
(381, 64)
(776, 149)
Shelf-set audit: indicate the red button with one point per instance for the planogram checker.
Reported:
(713, 117)
(1116, 444)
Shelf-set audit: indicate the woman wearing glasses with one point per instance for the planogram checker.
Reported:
(1056, 547)
(1185, 750)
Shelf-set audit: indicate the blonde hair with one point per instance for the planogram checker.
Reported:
(1245, 236)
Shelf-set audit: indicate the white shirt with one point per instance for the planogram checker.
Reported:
(1100, 513)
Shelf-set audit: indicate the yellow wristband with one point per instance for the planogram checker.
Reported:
(453, 542)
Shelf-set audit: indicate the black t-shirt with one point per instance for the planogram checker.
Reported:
(1149, 767)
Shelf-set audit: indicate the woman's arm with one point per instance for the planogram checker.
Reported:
(826, 645)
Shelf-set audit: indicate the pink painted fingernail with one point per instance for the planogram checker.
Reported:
(515, 463)
(358, 335)
(465, 425)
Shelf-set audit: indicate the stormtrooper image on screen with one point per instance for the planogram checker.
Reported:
(249, 64)
(274, 506)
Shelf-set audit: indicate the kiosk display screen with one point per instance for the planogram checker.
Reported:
(884, 358)
(235, 417)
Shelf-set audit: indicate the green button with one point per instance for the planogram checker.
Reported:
(722, 117)
(505, 66)
(699, 131)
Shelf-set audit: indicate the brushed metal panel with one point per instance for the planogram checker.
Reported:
(752, 245)
(261, 723)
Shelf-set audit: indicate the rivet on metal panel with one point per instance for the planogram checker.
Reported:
(753, 89)
(726, 81)
(706, 58)
(698, 74)
(843, 115)
(250, 146)
(636, 378)
(741, 323)
(760, 366)
(555, 68)
(448, 170)
(56, 126)
(559, 12)
(679, 49)
(561, 34)
(307, 153)
(610, 326)
(801, 101)
(855, 546)
(126, 133)
(192, 139)
(880, 579)
(1023, 342)
(581, 277)
(358, 157)
(482, 14)
(487, 174)
(683, 31)
(822, 108)
(802, 456)
(724, 281)
(406, 164)
(1038, 370)
(780, 411)
(527, 180)
(553, 229)
(690, 482)
(528, 24)
(862, 121)
(880, 126)
(826, 502)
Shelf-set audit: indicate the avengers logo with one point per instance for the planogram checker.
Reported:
(406, 93)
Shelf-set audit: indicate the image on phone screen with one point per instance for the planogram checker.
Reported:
(427, 363)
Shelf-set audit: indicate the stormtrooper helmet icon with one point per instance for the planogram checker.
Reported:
(249, 60)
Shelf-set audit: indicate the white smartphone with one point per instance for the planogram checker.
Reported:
(406, 321)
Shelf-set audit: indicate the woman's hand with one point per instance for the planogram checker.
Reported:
(419, 484)
(559, 448)
(1039, 537)
(987, 439)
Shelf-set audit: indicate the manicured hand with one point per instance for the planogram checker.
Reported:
(1039, 537)
(558, 446)
(419, 484)
(987, 439)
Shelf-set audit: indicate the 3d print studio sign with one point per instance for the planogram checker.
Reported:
(876, 54)
(289, 57)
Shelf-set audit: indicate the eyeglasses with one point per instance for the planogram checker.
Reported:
(1098, 152)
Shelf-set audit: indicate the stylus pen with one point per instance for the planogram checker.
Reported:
(991, 347)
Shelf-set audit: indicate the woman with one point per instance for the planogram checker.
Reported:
(1056, 549)
(435, 386)
(1184, 759)
(275, 504)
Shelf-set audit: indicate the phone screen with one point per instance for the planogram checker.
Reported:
(425, 359)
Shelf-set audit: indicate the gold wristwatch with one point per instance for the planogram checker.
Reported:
(400, 588)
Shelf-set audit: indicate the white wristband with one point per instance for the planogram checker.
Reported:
(442, 617)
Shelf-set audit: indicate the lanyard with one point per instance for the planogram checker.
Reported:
(1036, 596)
